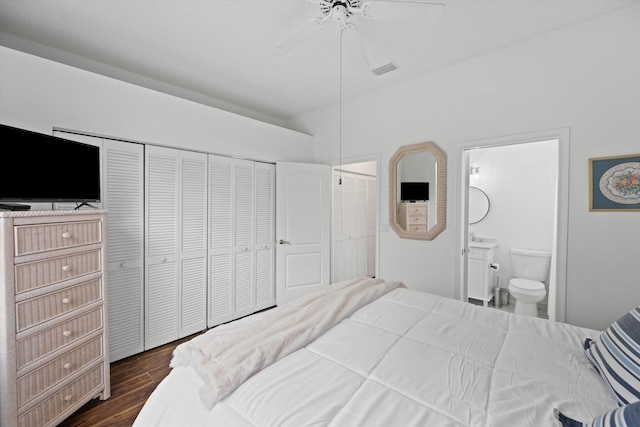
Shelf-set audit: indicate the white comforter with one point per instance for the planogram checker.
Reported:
(407, 359)
(226, 356)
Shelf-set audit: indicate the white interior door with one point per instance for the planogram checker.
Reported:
(303, 229)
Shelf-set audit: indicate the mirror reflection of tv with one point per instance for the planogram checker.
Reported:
(414, 191)
(47, 168)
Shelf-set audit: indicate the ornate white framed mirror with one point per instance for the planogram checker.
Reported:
(418, 191)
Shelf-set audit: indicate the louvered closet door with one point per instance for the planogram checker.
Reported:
(123, 196)
(244, 238)
(220, 252)
(337, 233)
(354, 207)
(162, 228)
(349, 225)
(193, 243)
(360, 213)
(265, 175)
(372, 217)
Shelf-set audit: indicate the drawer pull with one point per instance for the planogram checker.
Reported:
(67, 366)
(66, 300)
(68, 398)
(123, 265)
(66, 235)
(66, 333)
(163, 259)
(66, 267)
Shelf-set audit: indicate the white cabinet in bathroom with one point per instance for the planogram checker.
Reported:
(480, 275)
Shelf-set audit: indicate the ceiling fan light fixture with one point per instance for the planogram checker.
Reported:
(383, 69)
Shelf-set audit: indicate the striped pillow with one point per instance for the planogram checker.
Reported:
(616, 355)
(624, 416)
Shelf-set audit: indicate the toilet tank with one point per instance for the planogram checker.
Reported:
(531, 264)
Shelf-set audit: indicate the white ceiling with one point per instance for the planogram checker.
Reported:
(218, 52)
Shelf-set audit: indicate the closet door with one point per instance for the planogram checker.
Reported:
(162, 228)
(244, 238)
(122, 171)
(265, 181)
(349, 225)
(193, 243)
(123, 196)
(337, 233)
(359, 211)
(354, 205)
(371, 219)
(220, 251)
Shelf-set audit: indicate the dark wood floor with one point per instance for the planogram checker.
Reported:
(132, 381)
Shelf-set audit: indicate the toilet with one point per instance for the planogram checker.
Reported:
(530, 270)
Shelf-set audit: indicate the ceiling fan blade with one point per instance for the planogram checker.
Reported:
(353, 46)
(297, 36)
(403, 11)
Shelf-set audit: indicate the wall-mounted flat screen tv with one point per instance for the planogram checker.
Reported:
(414, 191)
(47, 169)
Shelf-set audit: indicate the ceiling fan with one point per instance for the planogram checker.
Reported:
(341, 12)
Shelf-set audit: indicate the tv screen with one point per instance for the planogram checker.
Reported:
(47, 168)
(414, 191)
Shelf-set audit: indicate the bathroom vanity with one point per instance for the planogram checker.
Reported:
(480, 275)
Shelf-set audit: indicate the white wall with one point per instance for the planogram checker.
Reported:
(39, 94)
(520, 182)
(584, 78)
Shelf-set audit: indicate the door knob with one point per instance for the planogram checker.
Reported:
(283, 242)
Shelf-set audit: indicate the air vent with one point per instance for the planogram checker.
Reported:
(383, 69)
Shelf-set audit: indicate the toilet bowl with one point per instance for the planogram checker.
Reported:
(531, 270)
(528, 293)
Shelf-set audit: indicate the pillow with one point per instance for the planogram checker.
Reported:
(616, 355)
(625, 416)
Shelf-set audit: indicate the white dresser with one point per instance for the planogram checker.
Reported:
(53, 324)
(413, 217)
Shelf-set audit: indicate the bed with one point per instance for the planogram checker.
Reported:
(368, 352)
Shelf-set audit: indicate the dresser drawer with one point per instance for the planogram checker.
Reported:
(45, 237)
(417, 219)
(416, 228)
(37, 310)
(39, 380)
(415, 209)
(62, 400)
(47, 341)
(32, 275)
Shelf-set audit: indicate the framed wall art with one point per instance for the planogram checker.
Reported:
(614, 183)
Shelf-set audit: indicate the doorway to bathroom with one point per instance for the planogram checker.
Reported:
(523, 183)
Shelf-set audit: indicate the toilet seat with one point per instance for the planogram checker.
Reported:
(528, 287)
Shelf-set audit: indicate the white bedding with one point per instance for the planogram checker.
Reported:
(408, 358)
